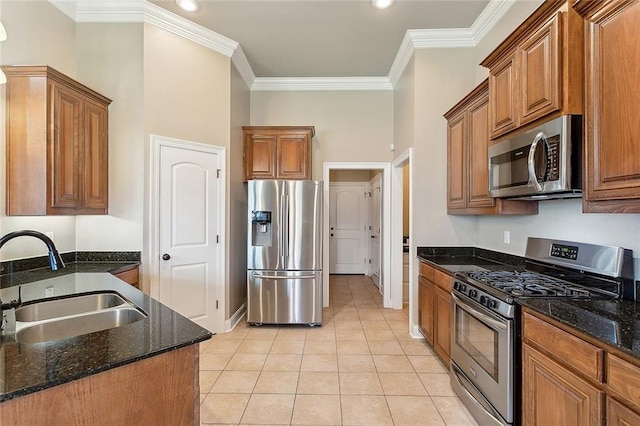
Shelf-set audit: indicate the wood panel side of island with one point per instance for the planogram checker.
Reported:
(159, 390)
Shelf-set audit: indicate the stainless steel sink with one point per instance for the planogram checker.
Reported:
(48, 309)
(78, 325)
(47, 320)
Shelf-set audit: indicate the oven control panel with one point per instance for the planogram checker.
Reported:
(564, 251)
(504, 308)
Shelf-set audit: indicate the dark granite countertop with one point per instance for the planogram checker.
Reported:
(612, 322)
(31, 367)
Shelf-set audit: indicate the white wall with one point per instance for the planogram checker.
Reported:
(37, 34)
(110, 62)
(442, 78)
(353, 126)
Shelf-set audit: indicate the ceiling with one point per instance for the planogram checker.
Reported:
(325, 38)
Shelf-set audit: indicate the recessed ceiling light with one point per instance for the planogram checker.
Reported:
(188, 5)
(381, 4)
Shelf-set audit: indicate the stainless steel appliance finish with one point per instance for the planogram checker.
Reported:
(284, 253)
(541, 163)
(481, 345)
(485, 347)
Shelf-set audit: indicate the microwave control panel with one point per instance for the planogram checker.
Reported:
(564, 251)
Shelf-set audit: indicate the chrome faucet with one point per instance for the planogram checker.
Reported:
(55, 261)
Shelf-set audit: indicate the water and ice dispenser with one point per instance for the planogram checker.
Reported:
(261, 228)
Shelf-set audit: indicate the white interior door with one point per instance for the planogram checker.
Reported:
(376, 230)
(188, 230)
(347, 228)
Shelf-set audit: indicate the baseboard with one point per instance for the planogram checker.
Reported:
(231, 323)
(415, 332)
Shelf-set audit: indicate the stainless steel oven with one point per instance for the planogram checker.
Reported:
(482, 364)
(485, 334)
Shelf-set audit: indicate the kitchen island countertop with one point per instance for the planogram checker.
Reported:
(31, 367)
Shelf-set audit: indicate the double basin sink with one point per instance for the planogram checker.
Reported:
(47, 320)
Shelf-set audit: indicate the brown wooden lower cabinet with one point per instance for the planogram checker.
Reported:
(434, 310)
(442, 322)
(130, 276)
(571, 379)
(425, 310)
(160, 390)
(620, 415)
(552, 395)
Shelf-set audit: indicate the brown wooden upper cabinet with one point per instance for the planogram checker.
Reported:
(537, 71)
(277, 152)
(612, 140)
(468, 160)
(57, 144)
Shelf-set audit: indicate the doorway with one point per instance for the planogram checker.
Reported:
(385, 263)
(347, 222)
(186, 212)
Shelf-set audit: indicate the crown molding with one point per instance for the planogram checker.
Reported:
(321, 83)
(132, 11)
(449, 37)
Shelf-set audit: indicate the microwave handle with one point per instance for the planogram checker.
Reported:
(533, 179)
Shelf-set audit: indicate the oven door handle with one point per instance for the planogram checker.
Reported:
(533, 179)
(474, 395)
(496, 324)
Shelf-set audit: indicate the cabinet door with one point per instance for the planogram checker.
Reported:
(539, 65)
(442, 326)
(66, 148)
(425, 308)
(612, 140)
(619, 415)
(551, 395)
(503, 97)
(456, 164)
(260, 156)
(293, 159)
(96, 157)
(478, 148)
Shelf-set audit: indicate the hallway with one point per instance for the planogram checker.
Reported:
(360, 368)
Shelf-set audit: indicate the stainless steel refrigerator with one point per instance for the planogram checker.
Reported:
(284, 253)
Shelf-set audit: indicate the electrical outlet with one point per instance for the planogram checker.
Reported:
(507, 237)
(392, 147)
(48, 292)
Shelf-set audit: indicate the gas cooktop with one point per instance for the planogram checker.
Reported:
(531, 284)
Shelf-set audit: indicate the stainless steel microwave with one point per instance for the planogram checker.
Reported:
(542, 163)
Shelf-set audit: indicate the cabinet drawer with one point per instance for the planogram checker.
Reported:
(583, 356)
(443, 281)
(624, 378)
(426, 271)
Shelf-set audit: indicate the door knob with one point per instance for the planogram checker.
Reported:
(332, 235)
(166, 257)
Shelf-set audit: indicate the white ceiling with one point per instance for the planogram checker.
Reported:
(325, 38)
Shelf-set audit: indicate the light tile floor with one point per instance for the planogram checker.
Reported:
(360, 368)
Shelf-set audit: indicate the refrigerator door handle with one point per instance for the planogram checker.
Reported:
(282, 230)
(283, 277)
(285, 227)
